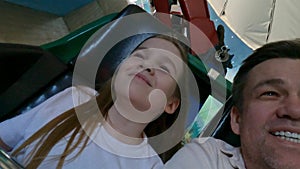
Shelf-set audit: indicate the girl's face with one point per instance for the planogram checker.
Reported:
(148, 79)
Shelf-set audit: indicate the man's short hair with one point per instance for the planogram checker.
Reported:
(280, 49)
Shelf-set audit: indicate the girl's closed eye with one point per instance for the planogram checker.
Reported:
(165, 68)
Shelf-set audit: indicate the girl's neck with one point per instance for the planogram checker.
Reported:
(123, 129)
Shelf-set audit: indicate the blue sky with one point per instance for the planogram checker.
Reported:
(236, 46)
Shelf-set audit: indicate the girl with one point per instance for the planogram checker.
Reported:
(140, 101)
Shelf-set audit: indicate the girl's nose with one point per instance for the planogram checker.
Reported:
(151, 71)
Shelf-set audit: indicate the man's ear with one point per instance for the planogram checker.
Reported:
(235, 120)
(172, 105)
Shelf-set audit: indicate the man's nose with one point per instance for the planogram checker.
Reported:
(291, 108)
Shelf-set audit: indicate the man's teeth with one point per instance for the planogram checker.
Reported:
(286, 135)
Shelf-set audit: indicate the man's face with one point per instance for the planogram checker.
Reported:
(269, 122)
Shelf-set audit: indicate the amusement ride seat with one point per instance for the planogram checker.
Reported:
(34, 73)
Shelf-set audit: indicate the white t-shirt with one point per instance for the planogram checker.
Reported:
(105, 153)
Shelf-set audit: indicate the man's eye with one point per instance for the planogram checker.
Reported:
(270, 93)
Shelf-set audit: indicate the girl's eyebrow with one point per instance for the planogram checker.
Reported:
(172, 64)
(141, 47)
(169, 60)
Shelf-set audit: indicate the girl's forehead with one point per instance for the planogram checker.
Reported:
(160, 43)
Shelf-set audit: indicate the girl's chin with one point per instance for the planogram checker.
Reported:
(139, 105)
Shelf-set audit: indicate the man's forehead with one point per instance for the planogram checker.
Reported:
(274, 64)
(276, 68)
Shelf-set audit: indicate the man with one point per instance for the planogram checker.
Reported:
(266, 115)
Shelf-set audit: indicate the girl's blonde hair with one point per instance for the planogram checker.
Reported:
(68, 124)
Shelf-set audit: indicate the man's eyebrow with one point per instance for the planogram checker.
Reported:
(269, 82)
